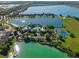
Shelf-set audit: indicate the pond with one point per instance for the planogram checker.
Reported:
(62, 31)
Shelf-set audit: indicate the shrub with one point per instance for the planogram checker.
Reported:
(72, 35)
(34, 31)
(77, 54)
(61, 38)
(50, 26)
(48, 37)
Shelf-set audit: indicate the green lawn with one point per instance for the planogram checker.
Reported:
(1, 56)
(72, 25)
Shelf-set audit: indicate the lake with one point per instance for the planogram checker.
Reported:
(36, 50)
(57, 9)
(43, 20)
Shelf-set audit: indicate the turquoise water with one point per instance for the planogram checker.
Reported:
(58, 9)
(35, 50)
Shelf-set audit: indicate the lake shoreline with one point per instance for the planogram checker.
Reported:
(35, 45)
(57, 47)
